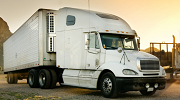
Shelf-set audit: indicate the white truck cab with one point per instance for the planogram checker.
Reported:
(99, 50)
(86, 49)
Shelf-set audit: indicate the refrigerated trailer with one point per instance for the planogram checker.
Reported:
(81, 48)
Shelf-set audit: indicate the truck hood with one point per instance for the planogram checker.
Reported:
(127, 57)
(114, 55)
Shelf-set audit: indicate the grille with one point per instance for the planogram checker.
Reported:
(150, 74)
(51, 24)
(51, 44)
(50, 21)
(149, 65)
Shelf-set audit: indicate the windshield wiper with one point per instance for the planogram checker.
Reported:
(114, 47)
(111, 47)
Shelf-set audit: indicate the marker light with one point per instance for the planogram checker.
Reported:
(122, 31)
(107, 30)
(117, 31)
(127, 32)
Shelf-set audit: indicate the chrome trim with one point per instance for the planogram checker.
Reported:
(139, 65)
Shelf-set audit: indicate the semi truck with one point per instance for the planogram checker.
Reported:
(81, 48)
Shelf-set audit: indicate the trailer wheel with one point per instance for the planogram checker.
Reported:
(144, 92)
(44, 79)
(10, 78)
(33, 78)
(53, 78)
(15, 78)
(108, 85)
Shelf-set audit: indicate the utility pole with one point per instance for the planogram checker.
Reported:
(173, 53)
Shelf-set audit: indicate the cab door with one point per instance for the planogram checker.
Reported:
(93, 52)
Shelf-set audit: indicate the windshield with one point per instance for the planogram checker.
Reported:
(113, 41)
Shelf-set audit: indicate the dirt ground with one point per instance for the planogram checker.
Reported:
(22, 91)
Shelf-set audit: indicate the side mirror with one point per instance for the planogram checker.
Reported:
(138, 42)
(87, 41)
(119, 49)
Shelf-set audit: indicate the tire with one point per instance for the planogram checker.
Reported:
(53, 79)
(15, 78)
(108, 85)
(10, 79)
(44, 79)
(144, 92)
(33, 78)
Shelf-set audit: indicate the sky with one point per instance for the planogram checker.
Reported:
(153, 20)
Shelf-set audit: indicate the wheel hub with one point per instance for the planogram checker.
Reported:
(42, 79)
(107, 85)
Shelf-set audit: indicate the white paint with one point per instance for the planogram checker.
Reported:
(82, 66)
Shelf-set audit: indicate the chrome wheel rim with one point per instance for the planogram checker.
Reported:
(107, 85)
(42, 79)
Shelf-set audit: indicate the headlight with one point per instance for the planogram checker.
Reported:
(163, 72)
(129, 72)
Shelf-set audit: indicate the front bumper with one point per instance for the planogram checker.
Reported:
(136, 84)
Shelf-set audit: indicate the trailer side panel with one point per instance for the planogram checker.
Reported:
(21, 50)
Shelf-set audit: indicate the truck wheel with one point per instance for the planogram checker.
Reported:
(53, 78)
(10, 78)
(144, 92)
(108, 85)
(33, 78)
(15, 78)
(44, 79)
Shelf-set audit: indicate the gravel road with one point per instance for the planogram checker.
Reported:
(23, 91)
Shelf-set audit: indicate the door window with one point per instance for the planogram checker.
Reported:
(93, 41)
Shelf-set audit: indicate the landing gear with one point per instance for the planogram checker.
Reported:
(12, 78)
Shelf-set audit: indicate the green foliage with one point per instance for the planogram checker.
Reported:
(24, 96)
(15, 95)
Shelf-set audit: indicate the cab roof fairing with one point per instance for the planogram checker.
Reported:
(86, 19)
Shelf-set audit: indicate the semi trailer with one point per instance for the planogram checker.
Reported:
(81, 48)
